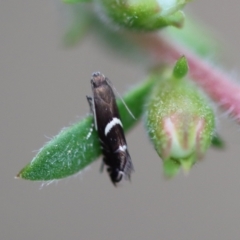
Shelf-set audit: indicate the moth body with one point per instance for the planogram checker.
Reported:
(108, 124)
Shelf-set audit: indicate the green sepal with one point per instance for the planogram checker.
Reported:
(76, 147)
(171, 168)
(218, 142)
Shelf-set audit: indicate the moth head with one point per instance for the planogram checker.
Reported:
(98, 80)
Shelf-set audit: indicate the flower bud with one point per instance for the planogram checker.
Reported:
(179, 120)
(144, 15)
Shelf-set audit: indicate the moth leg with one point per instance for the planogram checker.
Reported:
(102, 166)
(92, 109)
(90, 102)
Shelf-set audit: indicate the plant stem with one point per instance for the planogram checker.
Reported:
(217, 84)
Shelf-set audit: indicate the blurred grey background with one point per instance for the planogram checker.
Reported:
(43, 88)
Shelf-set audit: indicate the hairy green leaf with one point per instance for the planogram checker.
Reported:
(77, 146)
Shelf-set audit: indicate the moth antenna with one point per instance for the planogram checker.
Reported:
(118, 94)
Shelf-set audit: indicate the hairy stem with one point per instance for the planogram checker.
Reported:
(218, 85)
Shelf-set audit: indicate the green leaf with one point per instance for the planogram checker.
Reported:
(77, 146)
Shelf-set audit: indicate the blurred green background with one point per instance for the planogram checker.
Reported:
(42, 89)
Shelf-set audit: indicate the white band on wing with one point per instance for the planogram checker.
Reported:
(111, 124)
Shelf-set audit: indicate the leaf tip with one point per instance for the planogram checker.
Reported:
(18, 176)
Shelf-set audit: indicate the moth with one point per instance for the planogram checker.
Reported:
(108, 124)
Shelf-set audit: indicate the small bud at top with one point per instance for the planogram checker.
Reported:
(181, 68)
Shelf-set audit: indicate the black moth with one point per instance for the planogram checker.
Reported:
(110, 130)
